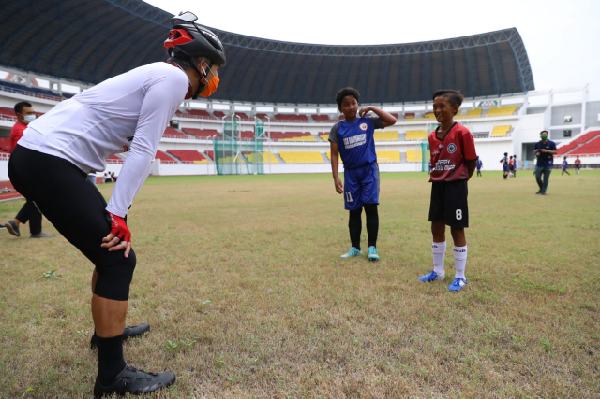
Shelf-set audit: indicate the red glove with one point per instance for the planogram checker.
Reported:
(119, 227)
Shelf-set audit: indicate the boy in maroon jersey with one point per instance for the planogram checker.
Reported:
(452, 162)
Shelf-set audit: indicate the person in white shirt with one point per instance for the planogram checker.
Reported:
(58, 150)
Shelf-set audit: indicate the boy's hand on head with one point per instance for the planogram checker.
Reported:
(363, 111)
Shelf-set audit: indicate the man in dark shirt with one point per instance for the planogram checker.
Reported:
(544, 152)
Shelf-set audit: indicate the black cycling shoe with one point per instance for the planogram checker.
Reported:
(130, 331)
(134, 381)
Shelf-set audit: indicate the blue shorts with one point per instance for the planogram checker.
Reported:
(361, 186)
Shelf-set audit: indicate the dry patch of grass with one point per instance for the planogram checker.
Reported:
(241, 281)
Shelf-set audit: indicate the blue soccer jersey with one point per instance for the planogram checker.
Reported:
(355, 141)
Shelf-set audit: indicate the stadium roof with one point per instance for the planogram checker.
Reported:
(91, 40)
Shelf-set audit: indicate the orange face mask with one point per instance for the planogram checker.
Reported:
(211, 87)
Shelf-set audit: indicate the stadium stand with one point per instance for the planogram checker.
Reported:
(172, 132)
(500, 130)
(290, 118)
(391, 135)
(242, 115)
(415, 135)
(164, 157)
(394, 67)
(7, 114)
(201, 133)
(276, 136)
(413, 156)
(470, 113)
(38, 92)
(591, 147)
(188, 156)
(505, 110)
(307, 137)
(301, 156)
(583, 144)
(429, 116)
(194, 113)
(114, 159)
(320, 118)
(267, 157)
(247, 135)
(388, 156)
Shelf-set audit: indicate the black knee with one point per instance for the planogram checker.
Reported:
(355, 217)
(114, 275)
(371, 210)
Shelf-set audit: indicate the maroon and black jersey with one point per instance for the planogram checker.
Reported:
(448, 156)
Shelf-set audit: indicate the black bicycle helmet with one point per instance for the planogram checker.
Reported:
(194, 40)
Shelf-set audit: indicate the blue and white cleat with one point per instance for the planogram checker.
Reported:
(352, 252)
(431, 276)
(457, 285)
(373, 255)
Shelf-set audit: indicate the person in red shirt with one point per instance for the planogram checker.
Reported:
(577, 164)
(452, 162)
(29, 212)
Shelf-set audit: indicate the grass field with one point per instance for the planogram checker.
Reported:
(241, 281)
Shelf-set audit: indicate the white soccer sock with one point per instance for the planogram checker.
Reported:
(438, 250)
(460, 261)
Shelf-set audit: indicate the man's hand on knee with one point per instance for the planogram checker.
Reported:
(119, 237)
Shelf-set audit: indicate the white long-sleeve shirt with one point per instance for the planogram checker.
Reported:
(130, 110)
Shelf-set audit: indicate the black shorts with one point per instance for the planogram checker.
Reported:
(448, 203)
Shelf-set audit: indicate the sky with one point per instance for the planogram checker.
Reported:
(562, 38)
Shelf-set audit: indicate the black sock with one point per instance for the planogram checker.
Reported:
(372, 224)
(110, 358)
(355, 226)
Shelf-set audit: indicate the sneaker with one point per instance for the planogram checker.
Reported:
(13, 228)
(40, 235)
(132, 380)
(457, 285)
(352, 252)
(130, 331)
(373, 256)
(431, 276)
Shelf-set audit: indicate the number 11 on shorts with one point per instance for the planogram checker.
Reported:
(349, 197)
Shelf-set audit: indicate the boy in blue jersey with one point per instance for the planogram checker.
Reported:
(352, 138)
(565, 166)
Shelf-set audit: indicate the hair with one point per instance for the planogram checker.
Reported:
(544, 131)
(346, 91)
(454, 96)
(506, 153)
(19, 106)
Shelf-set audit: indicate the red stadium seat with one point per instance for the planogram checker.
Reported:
(172, 132)
(187, 156)
(581, 143)
(320, 118)
(164, 157)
